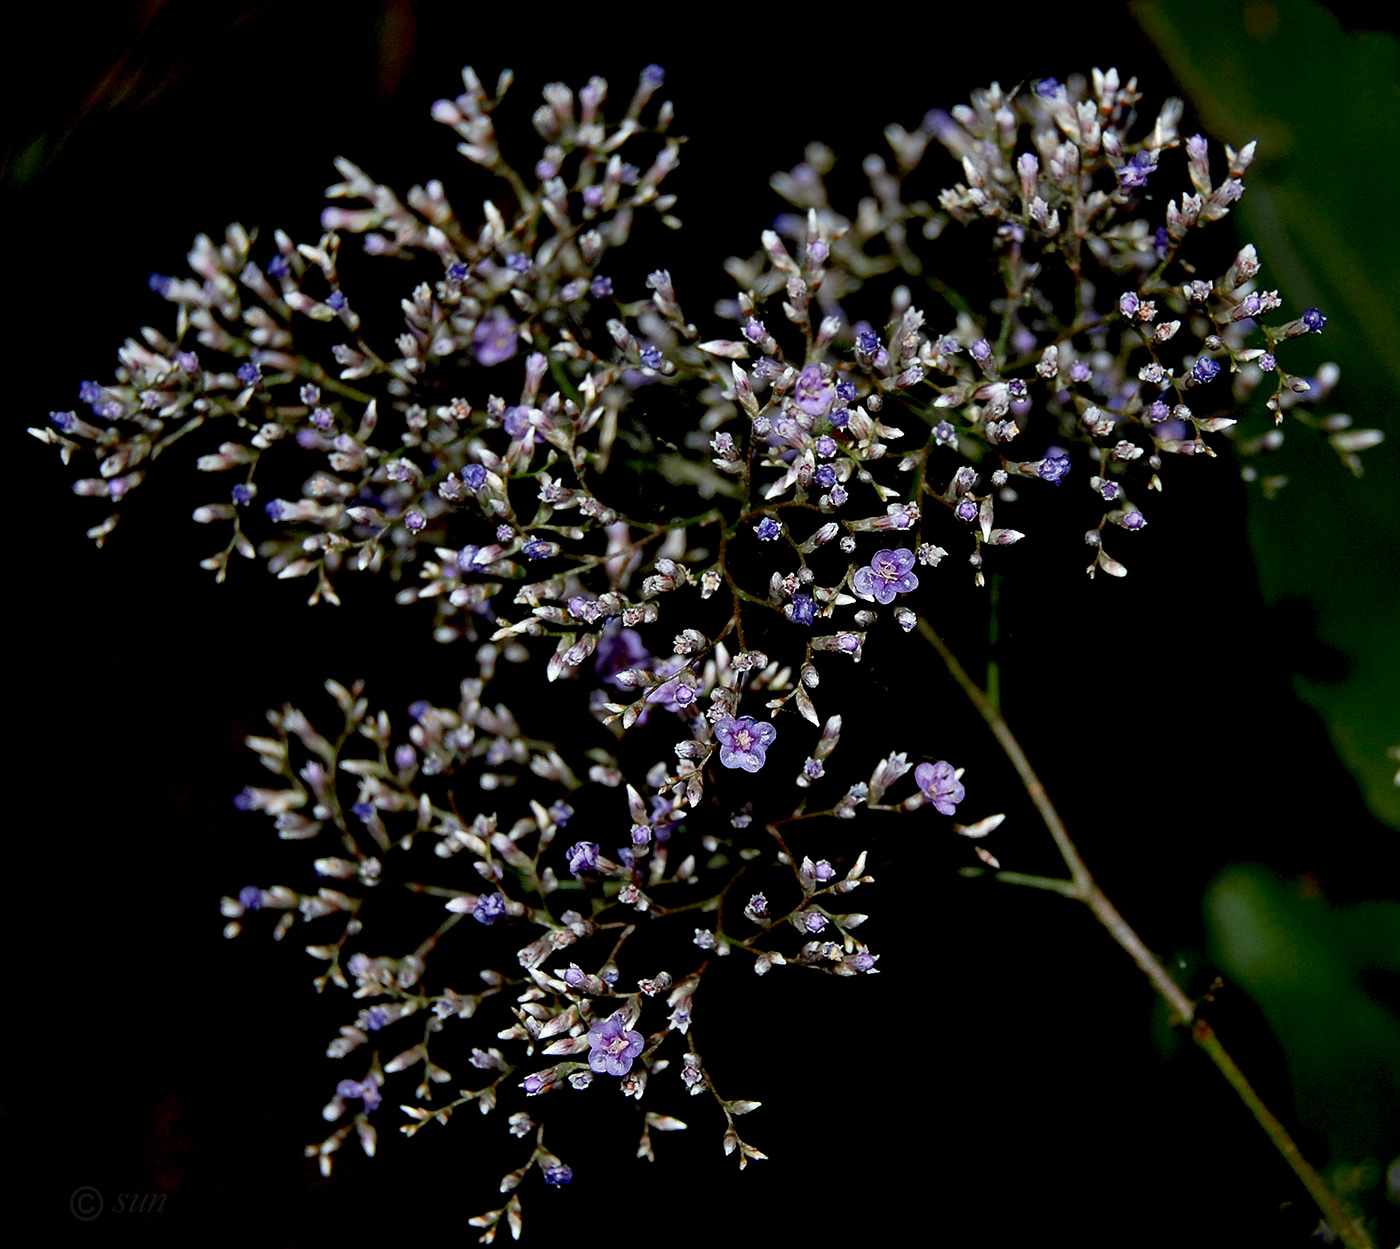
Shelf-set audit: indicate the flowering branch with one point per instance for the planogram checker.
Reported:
(1085, 889)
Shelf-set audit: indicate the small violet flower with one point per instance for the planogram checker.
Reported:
(583, 857)
(1134, 174)
(366, 1090)
(489, 908)
(939, 784)
(888, 573)
(1054, 467)
(494, 338)
(559, 1173)
(813, 393)
(743, 742)
(613, 1046)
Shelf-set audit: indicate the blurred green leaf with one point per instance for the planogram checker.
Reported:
(1303, 960)
(1321, 206)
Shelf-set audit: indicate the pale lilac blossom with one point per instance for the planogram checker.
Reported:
(613, 1046)
(939, 783)
(744, 741)
(888, 573)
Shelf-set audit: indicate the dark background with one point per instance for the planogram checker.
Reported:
(1008, 1074)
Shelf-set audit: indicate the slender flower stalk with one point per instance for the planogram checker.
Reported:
(1083, 888)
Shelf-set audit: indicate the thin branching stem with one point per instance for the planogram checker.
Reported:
(1083, 887)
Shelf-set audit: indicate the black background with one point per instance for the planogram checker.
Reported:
(1003, 1077)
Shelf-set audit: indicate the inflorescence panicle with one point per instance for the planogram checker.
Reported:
(839, 439)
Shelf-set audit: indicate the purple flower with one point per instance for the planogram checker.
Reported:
(517, 421)
(1267, 362)
(1205, 369)
(620, 652)
(494, 338)
(1314, 320)
(1134, 174)
(561, 813)
(336, 300)
(415, 521)
(367, 1090)
(249, 373)
(457, 272)
(601, 287)
(614, 1047)
(559, 1173)
(940, 785)
(889, 573)
(405, 757)
(1054, 467)
(767, 529)
(814, 921)
(981, 351)
(250, 896)
(278, 267)
(825, 477)
(583, 857)
(868, 342)
(489, 908)
(242, 494)
(474, 476)
(743, 742)
(802, 609)
(813, 393)
(1158, 412)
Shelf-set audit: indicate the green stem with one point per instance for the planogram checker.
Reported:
(1083, 887)
(1052, 883)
